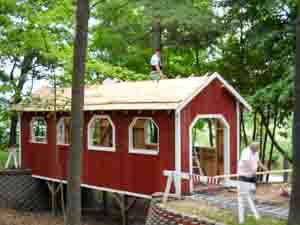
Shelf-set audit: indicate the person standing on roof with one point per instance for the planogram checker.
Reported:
(156, 69)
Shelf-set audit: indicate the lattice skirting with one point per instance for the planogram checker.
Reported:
(18, 190)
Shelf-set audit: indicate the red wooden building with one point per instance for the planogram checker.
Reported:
(133, 131)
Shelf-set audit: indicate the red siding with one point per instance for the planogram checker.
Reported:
(214, 99)
(118, 170)
(131, 172)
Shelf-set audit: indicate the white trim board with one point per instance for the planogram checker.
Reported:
(226, 142)
(20, 139)
(206, 83)
(178, 150)
(96, 187)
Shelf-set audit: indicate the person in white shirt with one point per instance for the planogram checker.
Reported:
(156, 69)
(249, 163)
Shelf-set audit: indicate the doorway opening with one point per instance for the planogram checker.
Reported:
(209, 146)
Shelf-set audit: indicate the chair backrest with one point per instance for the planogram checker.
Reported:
(12, 148)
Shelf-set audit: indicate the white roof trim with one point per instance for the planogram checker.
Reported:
(209, 80)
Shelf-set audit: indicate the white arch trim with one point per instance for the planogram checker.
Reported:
(101, 148)
(130, 137)
(226, 142)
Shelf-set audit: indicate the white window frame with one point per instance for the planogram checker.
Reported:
(32, 138)
(130, 136)
(101, 148)
(61, 120)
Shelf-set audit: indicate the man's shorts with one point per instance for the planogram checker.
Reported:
(248, 179)
(154, 75)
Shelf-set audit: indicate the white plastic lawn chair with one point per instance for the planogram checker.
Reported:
(12, 156)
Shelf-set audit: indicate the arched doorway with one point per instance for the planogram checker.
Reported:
(209, 137)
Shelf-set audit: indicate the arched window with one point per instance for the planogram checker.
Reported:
(63, 131)
(38, 130)
(101, 134)
(144, 136)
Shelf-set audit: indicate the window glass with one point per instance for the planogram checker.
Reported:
(64, 131)
(101, 133)
(144, 135)
(38, 130)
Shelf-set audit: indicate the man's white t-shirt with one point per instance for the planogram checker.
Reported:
(155, 60)
(248, 163)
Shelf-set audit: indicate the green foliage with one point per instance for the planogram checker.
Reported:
(4, 123)
(251, 43)
(3, 157)
(123, 35)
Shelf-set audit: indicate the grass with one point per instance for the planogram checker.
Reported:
(199, 209)
(3, 158)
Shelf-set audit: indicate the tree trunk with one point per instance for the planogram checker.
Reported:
(277, 146)
(211, 136)
(254, 126)
(244, 130)
(272, 144)
(26, 66)
(261, 130)
(294, 215)
(156, 32)
(13, 129)
(197, 56)
(264, 149)
(74, 167)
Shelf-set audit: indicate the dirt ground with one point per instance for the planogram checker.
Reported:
(270, 193)
(136, 216)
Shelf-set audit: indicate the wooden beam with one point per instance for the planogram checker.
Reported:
(51, 187)
(122, 201)
(104, 201)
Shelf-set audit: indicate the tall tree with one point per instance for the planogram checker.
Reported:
(29, 45)
(80, 49)
(294, 215)
(128, 30)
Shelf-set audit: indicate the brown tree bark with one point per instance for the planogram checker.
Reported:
(244, 129)
(294, 215)
(75, 159)
(211, 136)
(254, 126)
(26, 66)
(272, 144)
(156, 33)
(264, 149)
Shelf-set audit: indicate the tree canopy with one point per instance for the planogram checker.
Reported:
(251, 43)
